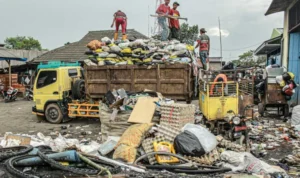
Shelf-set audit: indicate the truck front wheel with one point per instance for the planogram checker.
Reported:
(53, 114)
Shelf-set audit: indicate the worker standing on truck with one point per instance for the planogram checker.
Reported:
(120, 19)
(163, 11)
(174, 23)
(204, 46)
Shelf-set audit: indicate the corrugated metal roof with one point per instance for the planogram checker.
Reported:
(278, 6)
(75, 51)
(12, 53)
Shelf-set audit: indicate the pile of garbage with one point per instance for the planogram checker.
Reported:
(138, 52)
(278, 142)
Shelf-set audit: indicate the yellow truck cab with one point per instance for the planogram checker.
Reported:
(56, 85)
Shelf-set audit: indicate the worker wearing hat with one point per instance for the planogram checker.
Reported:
(120, 19)
(203, 43)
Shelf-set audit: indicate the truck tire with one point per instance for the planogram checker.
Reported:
(78, 89)
(53, 114)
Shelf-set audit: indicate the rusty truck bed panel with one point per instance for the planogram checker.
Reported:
(173, 81)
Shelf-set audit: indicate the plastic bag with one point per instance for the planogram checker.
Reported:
(296, 116)
(123, 45)
(246, 162)
(116, 48)
(95, 44)
(105, 39)
(180, 47)
(205, 137)
(103, 55)
(187, 144)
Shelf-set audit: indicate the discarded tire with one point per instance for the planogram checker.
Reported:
(14, 171)
(74, 170)
(9, 152)
(78, 89)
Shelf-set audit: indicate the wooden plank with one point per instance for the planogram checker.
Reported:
(143, 110)
(158, 86)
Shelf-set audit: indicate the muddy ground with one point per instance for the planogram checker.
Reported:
(16, 117)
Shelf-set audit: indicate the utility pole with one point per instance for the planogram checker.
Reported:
(221, 50)
(149, 21)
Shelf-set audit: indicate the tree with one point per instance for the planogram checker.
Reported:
(188, 34)
(23, 42)
(248, 59)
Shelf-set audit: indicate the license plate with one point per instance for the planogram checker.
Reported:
(241, 128)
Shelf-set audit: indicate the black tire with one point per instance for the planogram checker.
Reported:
(261, 109)
(74, 170)
(78, 89)
(9, 152)
(16, 172)
(53, 114)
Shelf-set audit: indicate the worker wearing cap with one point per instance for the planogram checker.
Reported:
(203, 43)
(120, 19)
(174, 23)
(163, 11)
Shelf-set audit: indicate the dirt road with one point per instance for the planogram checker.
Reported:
(16, 117)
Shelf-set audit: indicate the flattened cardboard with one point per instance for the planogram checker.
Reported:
(24, 140)
(143, 111)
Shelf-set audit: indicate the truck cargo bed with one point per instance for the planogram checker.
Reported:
(174, 81)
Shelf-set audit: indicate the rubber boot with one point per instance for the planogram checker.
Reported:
(116, 36)
(124, 37)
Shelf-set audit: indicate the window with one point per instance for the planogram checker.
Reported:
(46, 78)
(72, 72)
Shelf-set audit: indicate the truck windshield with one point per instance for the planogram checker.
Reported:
(46, 78)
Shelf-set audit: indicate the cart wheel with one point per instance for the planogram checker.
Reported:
(261, 109)
(53, 114)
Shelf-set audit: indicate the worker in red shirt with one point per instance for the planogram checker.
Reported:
(163, 11)
(203, 43)
(174, 23)
(120, 19)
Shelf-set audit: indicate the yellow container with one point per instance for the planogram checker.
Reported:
(164, 147)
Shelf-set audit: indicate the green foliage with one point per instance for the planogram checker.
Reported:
(248, 59)
(188, 34)
(23, 42)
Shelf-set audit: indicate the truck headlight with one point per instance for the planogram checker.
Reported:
(236, 120)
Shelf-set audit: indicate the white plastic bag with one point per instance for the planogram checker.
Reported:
(105, 40)
(115, 48)
(180, 47)
(205, 137)
(296, 116)
(247, 162)
(103, 55)
(124, 45)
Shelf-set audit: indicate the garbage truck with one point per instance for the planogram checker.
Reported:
(59, 93)
(63, 91)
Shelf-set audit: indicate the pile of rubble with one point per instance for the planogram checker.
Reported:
(145, 134)
(138, 52)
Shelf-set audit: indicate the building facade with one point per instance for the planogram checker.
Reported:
(291, 38)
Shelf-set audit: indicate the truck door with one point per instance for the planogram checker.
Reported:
(46, 88)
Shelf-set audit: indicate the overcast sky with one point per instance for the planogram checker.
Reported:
(55, 22)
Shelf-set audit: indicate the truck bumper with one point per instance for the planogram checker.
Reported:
(37, 112)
